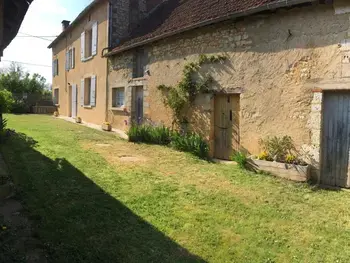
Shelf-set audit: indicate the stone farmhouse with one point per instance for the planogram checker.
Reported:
(285, 71)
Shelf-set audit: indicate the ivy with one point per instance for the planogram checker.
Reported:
(181, 97)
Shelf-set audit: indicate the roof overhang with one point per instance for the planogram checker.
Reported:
(12, 15)
(235, 15)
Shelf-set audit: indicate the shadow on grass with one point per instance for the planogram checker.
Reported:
(76, 219)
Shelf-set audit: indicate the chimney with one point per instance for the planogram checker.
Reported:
(65, 24)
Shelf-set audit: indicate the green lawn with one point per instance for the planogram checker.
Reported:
(96, 198)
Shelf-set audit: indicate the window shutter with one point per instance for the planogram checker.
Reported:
(67, 60)
(56, 67)
(82, 46)
(94, 39)
(72, 57)
(93, 91)
(82, 91)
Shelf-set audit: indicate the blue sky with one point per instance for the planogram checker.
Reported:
(43, 19)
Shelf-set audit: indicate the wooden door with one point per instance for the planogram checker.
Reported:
(335, 139)
(226, 122)
(74, 101)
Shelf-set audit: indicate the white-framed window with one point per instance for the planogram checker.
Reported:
(88, 92)
(70, 58)
(88, 42)
(55, 67)
(56, 96)
(118, 97)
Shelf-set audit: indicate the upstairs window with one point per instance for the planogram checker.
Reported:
(55, 67)
(118, 97)
(89, 41)
(140, 63)
(70, 59)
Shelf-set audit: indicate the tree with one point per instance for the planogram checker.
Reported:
(26, 89)
(6, 102)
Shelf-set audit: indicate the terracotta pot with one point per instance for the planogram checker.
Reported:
(78, 120)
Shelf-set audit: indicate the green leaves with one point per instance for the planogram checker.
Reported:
(6, 101)
(180, 98)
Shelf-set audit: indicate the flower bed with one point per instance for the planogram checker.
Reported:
(294, 172)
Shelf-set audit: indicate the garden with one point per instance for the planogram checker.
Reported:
(93, 197)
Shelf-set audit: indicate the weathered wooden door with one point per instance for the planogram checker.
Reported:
(74, 101)
(226, 121)
(335, 139)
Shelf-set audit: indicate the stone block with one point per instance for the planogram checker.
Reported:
(316, 107)
(237, 38)
(316, 137)
(315, 121)
(317, 98)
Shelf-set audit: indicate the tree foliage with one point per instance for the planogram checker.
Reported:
(17, 81)
(6, 101)
(26, 89)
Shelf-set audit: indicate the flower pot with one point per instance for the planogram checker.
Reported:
(294, 172)
(78, 120)
(56, 114)
(106, 127)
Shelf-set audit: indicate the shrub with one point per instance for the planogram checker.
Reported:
(189, 142)
(192, 143)
(278, 147)
(241, 159)
(149, 134)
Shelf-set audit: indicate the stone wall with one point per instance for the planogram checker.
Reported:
(273, 59)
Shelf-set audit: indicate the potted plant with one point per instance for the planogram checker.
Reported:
(106, 126)
(56, 114)
(78, 119)
(280, 158)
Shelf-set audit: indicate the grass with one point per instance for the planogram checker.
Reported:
(96, 198)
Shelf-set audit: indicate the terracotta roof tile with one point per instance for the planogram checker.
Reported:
(174, 16)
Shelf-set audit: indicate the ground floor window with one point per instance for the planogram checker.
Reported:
(118, 97)
(88, 92)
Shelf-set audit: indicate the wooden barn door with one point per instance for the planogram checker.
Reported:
(226, 121)
(335, 139)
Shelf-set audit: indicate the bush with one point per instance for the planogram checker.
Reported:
(161, 135)
(20, 107)
(278, 147)
(192, 143)
(241, 159)
(149, 134)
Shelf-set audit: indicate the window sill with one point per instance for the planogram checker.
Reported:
(87, 59)
(122, 108)
(87, 106)
(139, 78)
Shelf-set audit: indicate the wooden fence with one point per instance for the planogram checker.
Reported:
(43, 109)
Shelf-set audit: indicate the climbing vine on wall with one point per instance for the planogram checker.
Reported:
(181, 97)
